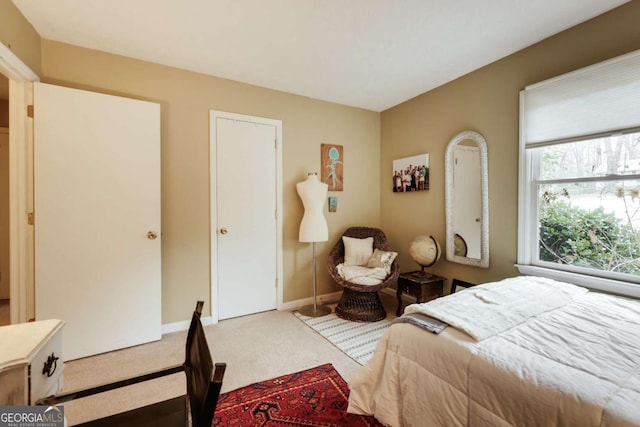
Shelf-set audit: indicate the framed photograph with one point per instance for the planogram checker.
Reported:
(411, 174)
(333, 204)
(331, 162)
(460, 283)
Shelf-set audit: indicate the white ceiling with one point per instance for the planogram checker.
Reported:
(372, 54)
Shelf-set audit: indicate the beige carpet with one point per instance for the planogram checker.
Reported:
(255, 348)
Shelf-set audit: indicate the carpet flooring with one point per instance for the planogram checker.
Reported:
(356, 339)
(315, 397)
(255, 347)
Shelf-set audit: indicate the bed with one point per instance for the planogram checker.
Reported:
(525, 351)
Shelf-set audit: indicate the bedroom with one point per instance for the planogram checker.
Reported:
(485, 100)
(375, 139)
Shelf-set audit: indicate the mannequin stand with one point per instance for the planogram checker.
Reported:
(314, 310)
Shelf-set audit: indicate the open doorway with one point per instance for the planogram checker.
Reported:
(20, 183)
(5, 317)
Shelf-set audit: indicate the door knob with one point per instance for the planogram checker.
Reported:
(151, 235)
(223, 230)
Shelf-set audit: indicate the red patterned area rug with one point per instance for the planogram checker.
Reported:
(316, 397)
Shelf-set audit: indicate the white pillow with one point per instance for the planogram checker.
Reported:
(382, 259)
(357, 251)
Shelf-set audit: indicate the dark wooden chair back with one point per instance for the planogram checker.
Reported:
(204, 380)
(195, 409)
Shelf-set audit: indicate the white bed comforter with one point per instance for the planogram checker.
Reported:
(572, 360)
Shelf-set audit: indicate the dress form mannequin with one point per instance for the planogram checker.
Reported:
(313, 228)
(313, 193)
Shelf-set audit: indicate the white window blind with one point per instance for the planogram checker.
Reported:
(599, 99)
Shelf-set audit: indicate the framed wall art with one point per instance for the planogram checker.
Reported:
(331, 163)
(333, 204)
(411, 174)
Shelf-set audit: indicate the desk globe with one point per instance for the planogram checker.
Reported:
(425, 250)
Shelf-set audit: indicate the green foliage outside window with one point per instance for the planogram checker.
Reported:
(586, 238)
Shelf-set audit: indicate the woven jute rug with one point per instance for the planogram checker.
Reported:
(356, 339)
(316, 397)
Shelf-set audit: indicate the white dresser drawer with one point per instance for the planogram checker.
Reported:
(46, 369)
(24, 351)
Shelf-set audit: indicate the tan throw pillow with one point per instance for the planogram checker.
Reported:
(382, 259)
(357, 251)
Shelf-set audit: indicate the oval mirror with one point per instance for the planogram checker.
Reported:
(467, 200)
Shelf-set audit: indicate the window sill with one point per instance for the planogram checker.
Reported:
(591, 282)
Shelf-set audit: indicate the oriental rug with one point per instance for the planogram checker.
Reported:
(356, 339)
(314, 397)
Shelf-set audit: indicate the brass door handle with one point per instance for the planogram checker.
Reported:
(152, 235)
(223, 230)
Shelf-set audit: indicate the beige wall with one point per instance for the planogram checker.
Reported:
(486, 101)
(185, 99)
(18, 34)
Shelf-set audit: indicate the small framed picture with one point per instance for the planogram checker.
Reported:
(460, 283)
(332, 162)
(411, 174)
(333, 204)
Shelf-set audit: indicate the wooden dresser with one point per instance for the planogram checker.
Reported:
(31, 361)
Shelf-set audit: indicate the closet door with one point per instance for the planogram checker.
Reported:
(245, 242)
(97, 218)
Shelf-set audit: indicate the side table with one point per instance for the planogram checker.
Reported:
(422, 285)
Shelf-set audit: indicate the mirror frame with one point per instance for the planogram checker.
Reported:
(483, 261)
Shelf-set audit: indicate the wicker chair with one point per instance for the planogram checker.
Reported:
(361, 302)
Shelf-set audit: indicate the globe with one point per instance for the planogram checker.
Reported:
(425, 250)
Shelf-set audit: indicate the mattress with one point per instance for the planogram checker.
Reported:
(570, 359)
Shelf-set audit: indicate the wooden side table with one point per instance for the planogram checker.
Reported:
(424, 286)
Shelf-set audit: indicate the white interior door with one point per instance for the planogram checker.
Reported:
(97, 196)
(245, 215)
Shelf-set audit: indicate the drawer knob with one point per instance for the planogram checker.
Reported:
(50, 365)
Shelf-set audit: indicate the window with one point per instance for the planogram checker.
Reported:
(579, 184)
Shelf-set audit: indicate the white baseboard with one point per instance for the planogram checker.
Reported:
(291, 305)
(407, 299)
(321, 299)
(170, 328)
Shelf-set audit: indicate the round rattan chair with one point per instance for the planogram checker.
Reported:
(361, 302)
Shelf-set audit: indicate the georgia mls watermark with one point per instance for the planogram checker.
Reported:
(31, 416)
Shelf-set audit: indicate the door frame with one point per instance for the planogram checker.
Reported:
(4, 130)
(21, 278)
(213, 208)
